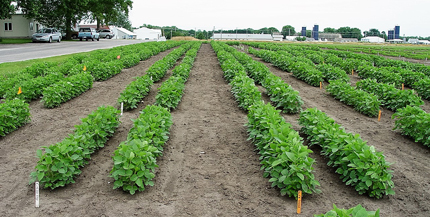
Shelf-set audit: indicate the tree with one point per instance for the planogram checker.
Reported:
(122, 21)
(6, 9)
(348, 32)
(288, 30)
(372, 32)
(200, 36)
(105, 11)
(308, 33)
(55, 13)
(384, 35)
(329, 30)
(273, 29)
(64, 14)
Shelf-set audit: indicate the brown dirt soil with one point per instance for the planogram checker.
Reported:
(208, 167)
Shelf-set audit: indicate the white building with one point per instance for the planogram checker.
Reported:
(251, 37)
(426, 42)
(291, 38)
(413, 41)
(148, 34)
(121, 33)
(373, 39)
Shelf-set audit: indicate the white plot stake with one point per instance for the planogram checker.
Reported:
(36, 194)
(122, 108)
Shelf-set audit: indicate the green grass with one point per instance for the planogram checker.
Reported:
(14, 67)
(14, 41)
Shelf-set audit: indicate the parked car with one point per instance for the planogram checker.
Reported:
(74, 34)
(88, 33)
(48, 35)
(106, 33)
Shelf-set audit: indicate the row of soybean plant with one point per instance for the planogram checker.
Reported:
(60, 163)
(135, 159)
(281, 94)
(367, 103)
(60, 83)
(362, 101)
(392, 72)
(381, 82)
(284, 157)
(350, 155)
(139, 88)
(410, 119)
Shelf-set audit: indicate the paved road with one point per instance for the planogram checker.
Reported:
(20, 52)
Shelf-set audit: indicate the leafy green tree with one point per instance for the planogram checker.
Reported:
(308, 33)
(329, 30)
(6, 9)
(372, 32)
(122, 21)
(348, 32)
(288, 30)
(200, 36)
(65, 14)
(273, 29)
(105, 11)
(55, 13)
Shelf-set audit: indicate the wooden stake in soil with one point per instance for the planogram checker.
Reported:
(352, 71)
(299, 202)
(320, 85)
(403, 86)
(36, 194)
(122, 108)
(379, 116)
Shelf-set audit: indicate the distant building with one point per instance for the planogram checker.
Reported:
(426, 42)
(94, 26)
(148, 34)
(250, 37)
(315, 32)
(413, 41)
(397, 32)
(373, 39)
(329, 36)
(304, 31)
(390, 34)
(291, 38)
(121, 33)
(18, 26)
(344, 40)
(395, 41)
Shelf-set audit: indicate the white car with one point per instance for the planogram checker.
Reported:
(48, 35)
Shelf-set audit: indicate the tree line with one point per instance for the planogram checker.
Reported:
(64, 14)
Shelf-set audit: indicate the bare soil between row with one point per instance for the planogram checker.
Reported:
(208, 167)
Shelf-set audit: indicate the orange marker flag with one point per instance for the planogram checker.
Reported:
(379, 115)
(118, 57)
(85, 68)
(299, 202)
(19, 91)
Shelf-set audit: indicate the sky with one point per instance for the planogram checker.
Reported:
(411, 16)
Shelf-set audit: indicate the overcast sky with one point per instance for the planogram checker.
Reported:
(411, 16)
